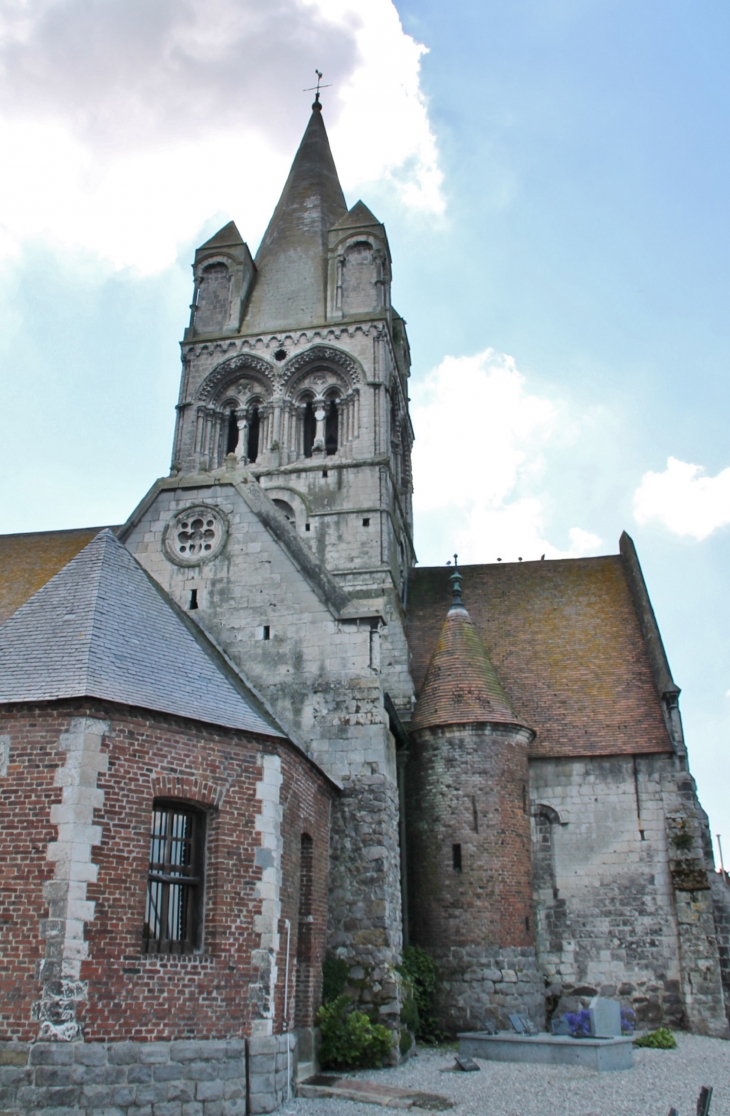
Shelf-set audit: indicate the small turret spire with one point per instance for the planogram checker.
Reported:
(455, 580)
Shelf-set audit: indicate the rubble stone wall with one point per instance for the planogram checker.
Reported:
(614, 914)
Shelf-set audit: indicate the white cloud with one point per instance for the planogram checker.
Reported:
(480, 450)
(126, 125)
(684, 499)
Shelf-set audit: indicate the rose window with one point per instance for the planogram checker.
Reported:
(195, 535)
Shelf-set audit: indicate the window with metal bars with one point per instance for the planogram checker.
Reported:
(173, 915)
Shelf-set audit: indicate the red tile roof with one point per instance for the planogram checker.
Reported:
(565, 641)
(461, 685)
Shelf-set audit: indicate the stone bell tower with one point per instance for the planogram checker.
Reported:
(297, 364)
(285, 525)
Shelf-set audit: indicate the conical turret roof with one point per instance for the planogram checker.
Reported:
(291, 284)
(461, 685)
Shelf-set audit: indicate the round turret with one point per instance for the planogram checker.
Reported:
(470, 869)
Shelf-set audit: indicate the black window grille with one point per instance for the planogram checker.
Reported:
(173, 921)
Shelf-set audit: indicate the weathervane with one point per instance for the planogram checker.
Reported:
(316, 88)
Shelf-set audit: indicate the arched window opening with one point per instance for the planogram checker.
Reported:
(303, 1005)
(331, 427)
(174, 907)
(310, 428)
(232, 438)
(252, 450)
(285, 509)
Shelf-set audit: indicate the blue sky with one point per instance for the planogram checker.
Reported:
(554, 179)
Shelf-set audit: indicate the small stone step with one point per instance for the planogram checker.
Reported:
(370, 1092)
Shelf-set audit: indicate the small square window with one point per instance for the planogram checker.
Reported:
(366, 522)
(324, 472)
(307, 526)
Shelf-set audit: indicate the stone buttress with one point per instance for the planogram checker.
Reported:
(469, 859)
(285, 526)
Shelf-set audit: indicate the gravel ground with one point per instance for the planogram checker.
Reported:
(660, 1079)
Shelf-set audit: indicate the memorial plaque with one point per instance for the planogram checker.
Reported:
(605, 1017)
(468, 1065)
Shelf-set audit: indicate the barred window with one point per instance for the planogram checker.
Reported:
(173, 916)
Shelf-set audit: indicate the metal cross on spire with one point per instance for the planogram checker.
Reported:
(316, 88)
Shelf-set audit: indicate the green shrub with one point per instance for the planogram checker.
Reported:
(334, 978)
(349, 1039)
(406, 1042)
(420, 969)
(663, 1039)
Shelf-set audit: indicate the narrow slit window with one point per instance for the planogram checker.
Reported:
(331, 428)
(310, 428)
(524, 799)
(456, 857)
(193, 600)
(232, 440)
(252, 450)
(266, 632)
(527, 924)
(307, 527)
(173, 914)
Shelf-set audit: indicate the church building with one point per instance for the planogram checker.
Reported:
(245, 730)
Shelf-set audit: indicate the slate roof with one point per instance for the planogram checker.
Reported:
(566, 643)
(461, 685)
(291, 282)
(28, 560)
(103, 628)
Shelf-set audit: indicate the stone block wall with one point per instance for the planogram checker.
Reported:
(186, 1078)
(478, 986)
(613, 913)
(721, 902)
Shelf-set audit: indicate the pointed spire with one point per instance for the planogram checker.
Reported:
(461, 685)
(225, 237)
(291, 284)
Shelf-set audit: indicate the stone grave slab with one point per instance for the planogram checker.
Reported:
(605, 1017)
(549, 1050)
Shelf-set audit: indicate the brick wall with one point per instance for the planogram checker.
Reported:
(472, 910)
(126, 993)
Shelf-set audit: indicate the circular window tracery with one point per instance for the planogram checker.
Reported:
(195, 535)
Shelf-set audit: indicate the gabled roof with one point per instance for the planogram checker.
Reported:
(461, 685)
(29, 560)
(567, 646)
(359, 215)
(103, 628)
(224, 238)
(290, 288)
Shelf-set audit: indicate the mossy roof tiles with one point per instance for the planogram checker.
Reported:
(566, 645)
(461, 685)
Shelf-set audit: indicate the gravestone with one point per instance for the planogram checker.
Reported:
(605, 1017)
(560, 1026)
(465, 1063)
(522, 1024)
